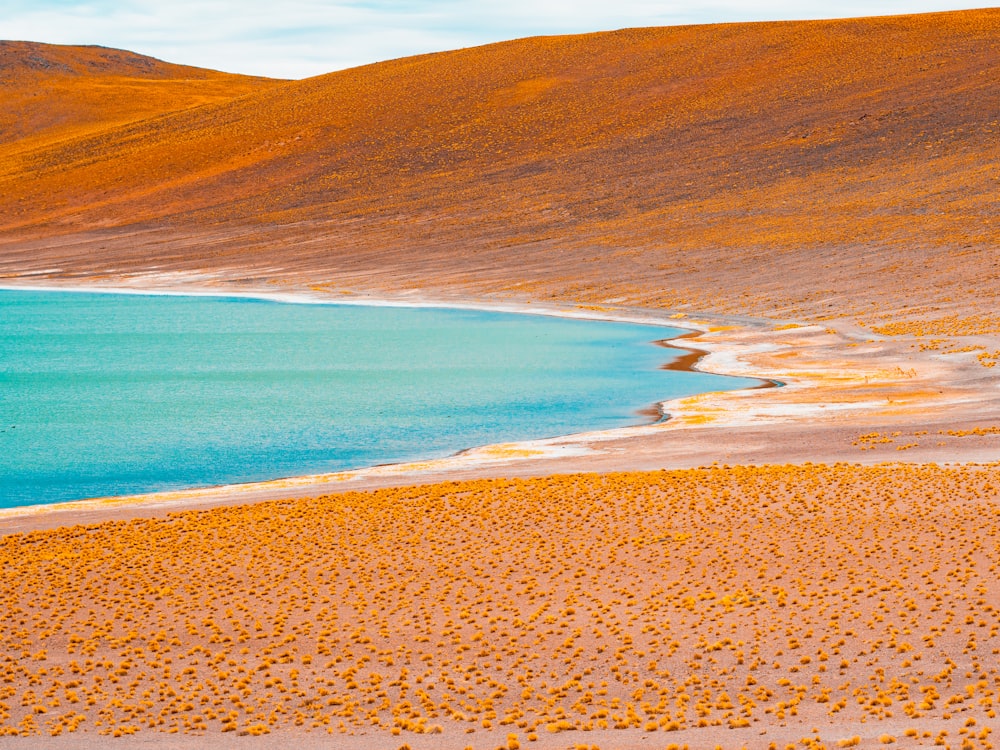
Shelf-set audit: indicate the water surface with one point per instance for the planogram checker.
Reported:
(111, 394)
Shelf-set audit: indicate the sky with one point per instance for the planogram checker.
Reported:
(301, 38)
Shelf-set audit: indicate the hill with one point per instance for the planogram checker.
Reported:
(54, 92)
(799, 169)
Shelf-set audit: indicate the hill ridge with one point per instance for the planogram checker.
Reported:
(637, 164)
(54, 93)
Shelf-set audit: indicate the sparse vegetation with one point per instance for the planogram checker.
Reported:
(699, 599)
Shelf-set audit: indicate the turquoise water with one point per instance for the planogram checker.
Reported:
(111, 394)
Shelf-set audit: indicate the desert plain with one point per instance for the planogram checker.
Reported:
(811, 565)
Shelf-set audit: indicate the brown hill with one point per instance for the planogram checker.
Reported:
(792, 169)
(54, 92)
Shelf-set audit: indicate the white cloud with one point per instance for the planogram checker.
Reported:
(298, 38)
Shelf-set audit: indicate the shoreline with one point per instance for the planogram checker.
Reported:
(686, 361)
(638, 316)
(836, 386)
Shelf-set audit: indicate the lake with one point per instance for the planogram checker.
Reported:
(113, 394)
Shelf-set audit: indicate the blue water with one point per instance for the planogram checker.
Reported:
(111, 394)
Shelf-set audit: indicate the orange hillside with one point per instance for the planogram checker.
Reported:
(52, 93)
(788, 164)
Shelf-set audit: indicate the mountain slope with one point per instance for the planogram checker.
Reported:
(711, 165)
(54, 92)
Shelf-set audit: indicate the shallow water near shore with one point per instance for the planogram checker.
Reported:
(114, 394)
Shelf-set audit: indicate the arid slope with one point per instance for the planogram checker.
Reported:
(789, 169)
(51, 93)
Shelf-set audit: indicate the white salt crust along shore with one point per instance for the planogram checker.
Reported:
(841, 384)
